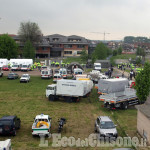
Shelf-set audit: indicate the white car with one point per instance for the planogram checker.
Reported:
(105, 127)
(25, 78)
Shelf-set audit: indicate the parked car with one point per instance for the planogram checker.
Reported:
(25, 78)
(9, 125)
(12, 76)
(5, 68)
(105, 127)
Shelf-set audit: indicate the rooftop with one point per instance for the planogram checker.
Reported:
(145, 108)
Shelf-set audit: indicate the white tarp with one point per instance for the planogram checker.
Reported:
(73, 87)
(21, 62)
(112, 85)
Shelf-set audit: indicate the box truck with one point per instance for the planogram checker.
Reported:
(97, 66)
(3, 62)
(70, 90)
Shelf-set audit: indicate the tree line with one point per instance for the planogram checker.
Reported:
(29, 34)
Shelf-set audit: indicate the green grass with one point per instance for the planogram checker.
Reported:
(73, 59)
(26, 100)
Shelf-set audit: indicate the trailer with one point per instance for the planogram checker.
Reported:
(70, 90)
(3, 62)
(121, 99)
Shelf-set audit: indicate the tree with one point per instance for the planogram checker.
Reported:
(84, 56)
(100, 52)
(119, 51)
(142, 81)
(8, 47)
(140, 52)
(29, 31)
(28, 50)
(114, 52)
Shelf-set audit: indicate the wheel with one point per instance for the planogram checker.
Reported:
(69, 99)
(124, 105)
(95, 130)
(51, 98)
(14, 134)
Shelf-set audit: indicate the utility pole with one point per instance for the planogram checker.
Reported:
(104, 33)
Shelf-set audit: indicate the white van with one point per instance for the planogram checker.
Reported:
(97, 66)
(63, 72)
(46, 73)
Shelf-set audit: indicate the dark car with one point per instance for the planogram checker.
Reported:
(5, 68)
(9, 125)
(12, 76)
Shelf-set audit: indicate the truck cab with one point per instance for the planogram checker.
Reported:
(51, 90)
(97, 66)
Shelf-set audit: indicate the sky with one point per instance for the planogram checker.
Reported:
(86, 18)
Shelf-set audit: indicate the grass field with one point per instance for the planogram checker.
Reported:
(26, 100)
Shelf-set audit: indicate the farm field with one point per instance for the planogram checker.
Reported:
(26, 100)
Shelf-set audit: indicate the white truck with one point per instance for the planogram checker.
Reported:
(15, 68)
(97, 66)
(95, 76)
(3, 62)
(70, 90)
(116, 93)
(63, 72)
(41, 125)
(25, 78)
(46, 73)
(5, 145)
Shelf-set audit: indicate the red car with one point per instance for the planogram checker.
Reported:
(5, 68)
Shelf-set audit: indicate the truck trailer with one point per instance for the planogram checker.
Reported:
(70, 90)
(121, 99)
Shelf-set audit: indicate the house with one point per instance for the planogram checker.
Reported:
(57, 45)
(143, 120)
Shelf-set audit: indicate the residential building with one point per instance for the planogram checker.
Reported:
(143, 120)
(57, 45)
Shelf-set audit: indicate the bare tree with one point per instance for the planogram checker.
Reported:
(29, 31)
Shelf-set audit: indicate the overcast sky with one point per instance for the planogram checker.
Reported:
(119, 18)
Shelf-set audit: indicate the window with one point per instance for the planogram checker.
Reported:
(67, 46)
(79, 52)
(43, 48)
(98, 121)
(67, 52)
(55, 39)
(145, 134)
(80, 46)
